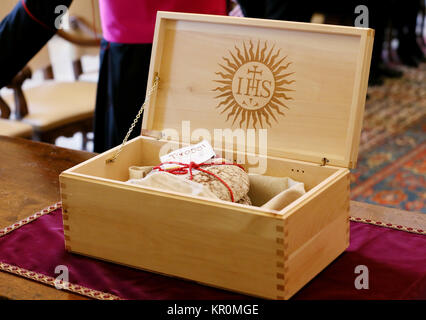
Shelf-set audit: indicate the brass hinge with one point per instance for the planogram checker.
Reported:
(324, 161)
(153, 134)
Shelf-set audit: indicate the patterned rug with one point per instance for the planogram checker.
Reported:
(391, 169)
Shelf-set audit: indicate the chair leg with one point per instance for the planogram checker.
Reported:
(4, 109)
(48, 73)
(77, 67)
(85, 140)
(37, 136)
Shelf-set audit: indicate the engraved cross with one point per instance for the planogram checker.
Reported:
(254, 71)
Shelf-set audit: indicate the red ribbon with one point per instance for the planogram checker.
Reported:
(187, 168)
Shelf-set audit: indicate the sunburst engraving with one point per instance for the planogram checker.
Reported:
(255, 85)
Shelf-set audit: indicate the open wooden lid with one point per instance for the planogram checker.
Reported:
(303, 85)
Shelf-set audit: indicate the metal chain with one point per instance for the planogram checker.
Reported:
(135, 121)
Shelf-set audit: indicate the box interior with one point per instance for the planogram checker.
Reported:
(144, 151)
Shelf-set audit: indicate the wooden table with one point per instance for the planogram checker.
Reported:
(29, 182)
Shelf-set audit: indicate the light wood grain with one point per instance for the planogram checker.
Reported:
(219, 243)
(317, 232)
(224, 247)
(304, 219)
(330, 66)
(247, 249)
(316, 254)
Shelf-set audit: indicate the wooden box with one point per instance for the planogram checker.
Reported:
(302, 85)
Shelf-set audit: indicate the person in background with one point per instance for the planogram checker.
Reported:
(404, 18)
(23, 32)
(289, 10)
(128, 28)
(379, 17)
(302, 11)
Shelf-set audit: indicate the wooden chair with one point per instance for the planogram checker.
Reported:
(15, 129)
(52, 108)
(12, 128)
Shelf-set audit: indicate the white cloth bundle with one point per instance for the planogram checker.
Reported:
(273, 193)
(170, 182)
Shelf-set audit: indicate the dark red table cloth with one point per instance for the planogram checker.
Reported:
(396, 262)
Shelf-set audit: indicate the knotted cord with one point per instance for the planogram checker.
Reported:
(186, 168)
